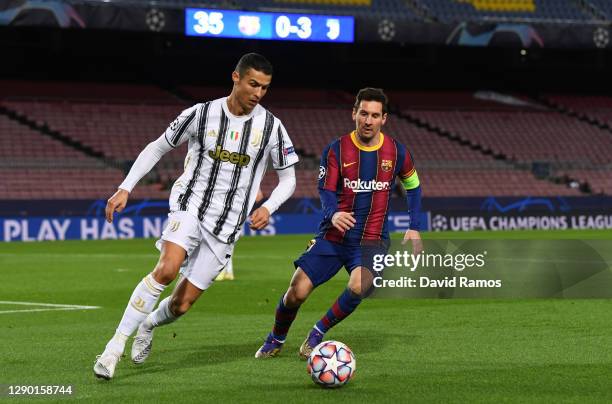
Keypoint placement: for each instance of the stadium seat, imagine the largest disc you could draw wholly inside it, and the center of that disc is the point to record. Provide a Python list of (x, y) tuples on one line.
[(121, 129), (474, 10)]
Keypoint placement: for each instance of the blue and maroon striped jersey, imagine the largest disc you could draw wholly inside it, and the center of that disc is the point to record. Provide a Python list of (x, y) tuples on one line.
[(362, 179)]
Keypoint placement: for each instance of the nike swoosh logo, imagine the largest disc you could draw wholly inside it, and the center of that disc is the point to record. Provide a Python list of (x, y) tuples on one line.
[(348, 164)]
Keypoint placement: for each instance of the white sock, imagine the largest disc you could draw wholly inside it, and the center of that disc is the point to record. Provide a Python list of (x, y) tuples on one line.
[(116, 344), (229, 267), (161, 316), (141, 303)]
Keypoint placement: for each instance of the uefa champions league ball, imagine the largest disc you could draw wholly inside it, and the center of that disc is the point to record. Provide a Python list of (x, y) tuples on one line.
[(331, 364)]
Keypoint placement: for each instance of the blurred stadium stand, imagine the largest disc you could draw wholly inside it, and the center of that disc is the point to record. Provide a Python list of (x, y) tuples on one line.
[(525, 136), (463, 144), (367, 8), (415, 10), (604, 6), (418, 10), (596, 107), (577, 151), (474, 10)]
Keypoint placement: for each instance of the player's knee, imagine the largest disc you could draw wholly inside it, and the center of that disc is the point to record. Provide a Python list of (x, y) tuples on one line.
[(178, 306), (166, 271), (295, 297), (299, 289), (355, 290), (355, 287)]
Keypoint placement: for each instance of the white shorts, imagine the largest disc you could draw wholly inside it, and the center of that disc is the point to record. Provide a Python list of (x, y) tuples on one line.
[(206, 255)]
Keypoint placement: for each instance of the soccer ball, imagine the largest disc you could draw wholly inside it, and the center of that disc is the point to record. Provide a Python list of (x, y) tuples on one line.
[(331, 364)]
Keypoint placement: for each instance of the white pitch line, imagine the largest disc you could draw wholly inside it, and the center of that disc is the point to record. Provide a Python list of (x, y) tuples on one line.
[(71, 255), (50, 307), (66, 306), (127, 256), (33, 310)]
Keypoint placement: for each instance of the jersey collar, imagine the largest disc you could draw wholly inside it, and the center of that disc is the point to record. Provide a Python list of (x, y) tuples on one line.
[(236, 117), (367, 148)]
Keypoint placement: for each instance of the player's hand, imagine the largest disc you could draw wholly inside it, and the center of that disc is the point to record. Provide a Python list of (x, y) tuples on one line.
[(116, 203), (415, 237), (343, 221), (260, 218)]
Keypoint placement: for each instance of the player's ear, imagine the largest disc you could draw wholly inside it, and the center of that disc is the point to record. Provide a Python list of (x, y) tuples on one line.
[(235, 77), (384, 118), (354, 114)]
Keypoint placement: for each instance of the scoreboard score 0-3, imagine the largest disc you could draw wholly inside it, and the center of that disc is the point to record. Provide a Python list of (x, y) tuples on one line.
[(270, 26)]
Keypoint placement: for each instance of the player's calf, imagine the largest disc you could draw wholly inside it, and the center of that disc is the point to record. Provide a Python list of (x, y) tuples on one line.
[(180, 303), (283, 318), (141, 303), (179, 307)]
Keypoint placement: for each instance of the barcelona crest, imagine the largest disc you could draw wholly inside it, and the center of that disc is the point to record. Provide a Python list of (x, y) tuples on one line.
[(386, 165)]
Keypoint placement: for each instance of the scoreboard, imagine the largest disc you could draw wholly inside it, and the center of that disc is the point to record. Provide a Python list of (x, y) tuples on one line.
[(270, 26)]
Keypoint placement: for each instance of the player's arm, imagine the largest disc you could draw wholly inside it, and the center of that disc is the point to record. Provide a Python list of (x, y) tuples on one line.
[(144, 163), (259, 197), (410, 181), (284, 158), (177, 133), (329, 175), (283, 191)]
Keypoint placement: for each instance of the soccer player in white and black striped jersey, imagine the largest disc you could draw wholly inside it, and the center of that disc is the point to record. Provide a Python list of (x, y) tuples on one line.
[(231, 140)]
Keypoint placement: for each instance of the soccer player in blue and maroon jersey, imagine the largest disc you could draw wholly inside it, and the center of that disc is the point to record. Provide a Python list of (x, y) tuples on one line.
[(356, 178)]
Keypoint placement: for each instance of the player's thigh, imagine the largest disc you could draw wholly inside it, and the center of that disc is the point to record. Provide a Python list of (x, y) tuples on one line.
[(183, 230), (300, 285), (320, 262), (358, 263), (179, 238), (172, 253), (170, 260)]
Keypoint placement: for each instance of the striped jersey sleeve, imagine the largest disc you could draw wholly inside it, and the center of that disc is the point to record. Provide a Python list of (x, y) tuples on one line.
[(282, 152), (182, 127), (329, 170), (407, 172)]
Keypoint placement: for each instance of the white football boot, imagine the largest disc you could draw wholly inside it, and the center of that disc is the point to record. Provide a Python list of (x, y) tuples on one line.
[(141, 347), (104, 368)]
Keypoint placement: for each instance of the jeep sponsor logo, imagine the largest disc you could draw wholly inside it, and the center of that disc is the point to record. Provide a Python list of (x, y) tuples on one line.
[(360, 185), (241, 160)]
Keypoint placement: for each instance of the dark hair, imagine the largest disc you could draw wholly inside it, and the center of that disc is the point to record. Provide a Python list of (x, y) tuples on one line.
[(254, 61), (371, 94)]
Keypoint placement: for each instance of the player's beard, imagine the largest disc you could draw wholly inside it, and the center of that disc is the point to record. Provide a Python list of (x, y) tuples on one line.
[(248, 106), (366, 139)]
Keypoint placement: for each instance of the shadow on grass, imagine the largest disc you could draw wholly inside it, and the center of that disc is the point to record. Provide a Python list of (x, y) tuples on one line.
[(213, 354)]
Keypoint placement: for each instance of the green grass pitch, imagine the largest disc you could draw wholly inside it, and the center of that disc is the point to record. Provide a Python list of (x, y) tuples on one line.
[(407, 350)]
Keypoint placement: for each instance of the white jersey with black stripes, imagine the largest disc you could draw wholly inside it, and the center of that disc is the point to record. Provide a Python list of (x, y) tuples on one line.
[(226, 160)]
